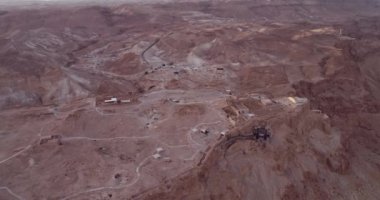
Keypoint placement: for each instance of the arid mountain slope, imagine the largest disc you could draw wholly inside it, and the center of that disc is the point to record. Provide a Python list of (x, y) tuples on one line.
[(193, 81)]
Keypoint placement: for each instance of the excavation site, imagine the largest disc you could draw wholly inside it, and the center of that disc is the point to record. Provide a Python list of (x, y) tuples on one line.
[(190, 100)]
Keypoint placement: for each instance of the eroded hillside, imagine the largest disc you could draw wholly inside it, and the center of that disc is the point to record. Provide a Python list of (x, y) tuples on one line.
[(161, 101)]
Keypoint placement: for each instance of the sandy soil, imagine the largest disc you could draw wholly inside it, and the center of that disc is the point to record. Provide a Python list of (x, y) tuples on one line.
[(307, 71)]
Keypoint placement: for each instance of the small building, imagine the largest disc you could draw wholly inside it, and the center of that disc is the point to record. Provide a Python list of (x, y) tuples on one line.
[(174, 100), (205, 131), (156, 156), (261, 133), (112, 100), (125, 101), (159, 150), (251, 115)]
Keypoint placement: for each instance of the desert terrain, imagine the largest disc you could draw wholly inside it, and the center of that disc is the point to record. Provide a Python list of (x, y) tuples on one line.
[(161, 100)]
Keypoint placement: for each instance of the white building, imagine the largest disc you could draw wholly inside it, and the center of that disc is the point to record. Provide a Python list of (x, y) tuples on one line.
[(112, 100)]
